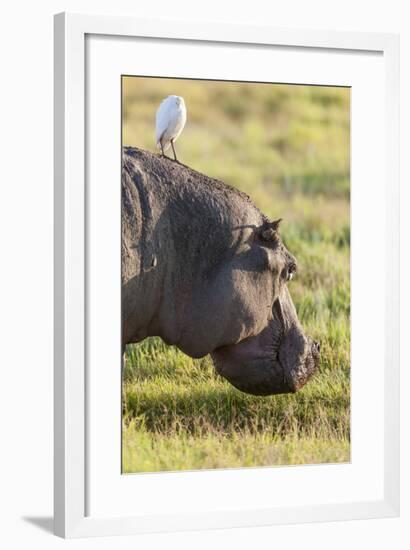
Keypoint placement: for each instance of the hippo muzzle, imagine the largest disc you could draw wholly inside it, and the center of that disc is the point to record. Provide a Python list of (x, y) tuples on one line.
[(280, 359)]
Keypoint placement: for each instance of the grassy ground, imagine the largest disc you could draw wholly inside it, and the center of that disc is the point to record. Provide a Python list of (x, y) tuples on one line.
[(288, 148)]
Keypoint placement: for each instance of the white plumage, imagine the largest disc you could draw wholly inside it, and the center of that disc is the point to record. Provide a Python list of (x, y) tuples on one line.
[(170, 121)]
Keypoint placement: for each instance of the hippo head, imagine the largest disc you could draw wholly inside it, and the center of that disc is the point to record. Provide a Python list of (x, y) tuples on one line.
[(280, 358), (256, 340)]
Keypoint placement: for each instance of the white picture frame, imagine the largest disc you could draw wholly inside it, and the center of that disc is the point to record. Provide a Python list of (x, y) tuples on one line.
[(72, 519)]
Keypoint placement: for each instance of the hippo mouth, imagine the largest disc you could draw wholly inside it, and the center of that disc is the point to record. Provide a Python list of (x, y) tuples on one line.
[(280, 359)]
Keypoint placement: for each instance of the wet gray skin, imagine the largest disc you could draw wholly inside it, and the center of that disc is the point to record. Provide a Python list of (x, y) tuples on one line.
[(206, 271)]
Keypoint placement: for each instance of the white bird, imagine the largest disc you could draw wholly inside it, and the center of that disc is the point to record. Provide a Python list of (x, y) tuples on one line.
[(170, 121)]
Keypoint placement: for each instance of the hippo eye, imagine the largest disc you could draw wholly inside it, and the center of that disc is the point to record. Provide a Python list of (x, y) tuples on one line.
[(290, 271)]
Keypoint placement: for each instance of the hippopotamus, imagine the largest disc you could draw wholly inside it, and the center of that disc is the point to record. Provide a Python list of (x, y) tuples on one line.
[(206, 271)]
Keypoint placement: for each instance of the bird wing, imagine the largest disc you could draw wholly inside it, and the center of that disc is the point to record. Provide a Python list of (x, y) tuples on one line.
[(177, 121), (164, 115)]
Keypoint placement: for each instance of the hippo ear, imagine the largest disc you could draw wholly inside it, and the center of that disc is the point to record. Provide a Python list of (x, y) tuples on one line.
[(275, 224), (268, 232)]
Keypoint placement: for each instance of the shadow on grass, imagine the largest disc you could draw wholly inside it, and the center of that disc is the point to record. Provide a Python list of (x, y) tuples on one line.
[(202, 410)]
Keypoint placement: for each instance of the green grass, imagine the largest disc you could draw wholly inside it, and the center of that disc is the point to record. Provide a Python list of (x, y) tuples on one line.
[(241, 450), (288, 148)]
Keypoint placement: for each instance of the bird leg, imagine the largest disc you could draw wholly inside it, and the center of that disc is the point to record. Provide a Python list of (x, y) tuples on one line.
[(162, 149), (173, 150)]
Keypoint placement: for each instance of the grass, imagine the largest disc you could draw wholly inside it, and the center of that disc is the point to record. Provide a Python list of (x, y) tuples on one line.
[(241, 450), (288, 148)]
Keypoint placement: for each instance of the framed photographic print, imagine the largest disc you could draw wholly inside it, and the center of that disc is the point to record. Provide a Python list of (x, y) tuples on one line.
[(226, 275)]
